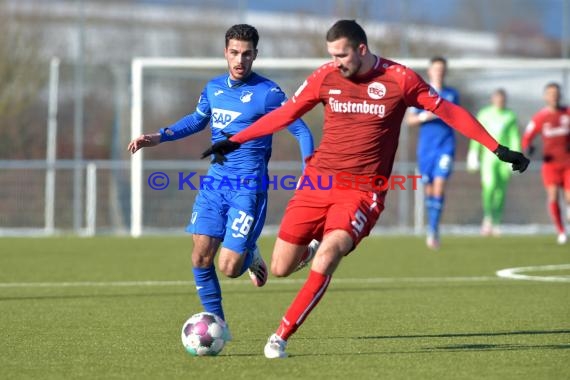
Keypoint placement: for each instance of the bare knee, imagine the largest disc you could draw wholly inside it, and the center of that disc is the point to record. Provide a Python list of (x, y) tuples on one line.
[(333, 248), (201, 259), (204, 251), (231, 262), (229, 270), (280, 271), (285, 258)]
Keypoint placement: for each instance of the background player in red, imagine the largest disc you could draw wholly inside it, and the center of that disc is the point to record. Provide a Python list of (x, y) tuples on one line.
[(365, 98), (553, 124)]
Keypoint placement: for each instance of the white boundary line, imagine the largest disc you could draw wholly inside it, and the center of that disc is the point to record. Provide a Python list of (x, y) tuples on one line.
[(514, 273), (373, 280), (502, 275)]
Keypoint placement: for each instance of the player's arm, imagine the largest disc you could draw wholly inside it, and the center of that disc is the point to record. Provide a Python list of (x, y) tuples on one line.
[(461, 120), (304, 137), (474, 151), (274, 99), (415, 117), (418, 94), (532, 129), (305, 98), (184, 127)]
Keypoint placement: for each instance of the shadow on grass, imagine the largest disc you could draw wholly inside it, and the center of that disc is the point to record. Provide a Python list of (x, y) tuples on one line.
[(466, 335), (497, 347), (450, 348)]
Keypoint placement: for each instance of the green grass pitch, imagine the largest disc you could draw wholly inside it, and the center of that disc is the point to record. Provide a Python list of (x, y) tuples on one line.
[(112, 308)]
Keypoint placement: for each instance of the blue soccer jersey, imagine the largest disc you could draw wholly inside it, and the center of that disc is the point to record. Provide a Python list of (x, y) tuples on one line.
[(436, 143), (230, 106), (232, 206)]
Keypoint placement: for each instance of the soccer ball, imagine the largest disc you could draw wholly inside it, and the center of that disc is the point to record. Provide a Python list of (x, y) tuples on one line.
[(204, 334)]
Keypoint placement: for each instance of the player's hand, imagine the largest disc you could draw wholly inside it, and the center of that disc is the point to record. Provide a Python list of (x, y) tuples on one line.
[(144, 141), (472, 162), (426, 116), (530, 150), (220, 149), (519, 161)]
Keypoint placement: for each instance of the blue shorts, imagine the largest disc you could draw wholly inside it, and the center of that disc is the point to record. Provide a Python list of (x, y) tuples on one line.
[(232, 216), (434, 165)]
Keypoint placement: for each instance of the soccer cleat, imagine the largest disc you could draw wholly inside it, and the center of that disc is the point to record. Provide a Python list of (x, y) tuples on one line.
[(496, 231), (432, 241), (486, 227), (311, 252), (561, 239), (275, 348), (257, 270)]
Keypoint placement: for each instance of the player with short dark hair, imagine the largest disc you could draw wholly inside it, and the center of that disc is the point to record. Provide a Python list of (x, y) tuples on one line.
[(435, 150), (553, 124), (365, 98), (231, 212)]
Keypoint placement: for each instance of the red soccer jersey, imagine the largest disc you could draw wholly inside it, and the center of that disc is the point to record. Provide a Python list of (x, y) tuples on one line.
[(363, 116), (554, 126)]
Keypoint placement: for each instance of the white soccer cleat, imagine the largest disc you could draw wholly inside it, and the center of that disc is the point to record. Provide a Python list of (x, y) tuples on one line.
[(257, 270), (561, 239), (496, 231), (311, 252), (432, 241), (275, 348), (486, 227)]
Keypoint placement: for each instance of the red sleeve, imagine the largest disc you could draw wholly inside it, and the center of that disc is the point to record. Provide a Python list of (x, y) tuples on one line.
[(532, 129), (304, 99), (461, 120), (417, 93)]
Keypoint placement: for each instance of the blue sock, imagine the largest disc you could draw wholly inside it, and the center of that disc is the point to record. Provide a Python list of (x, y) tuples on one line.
[(209, 290), (429, 210), (434, 213)]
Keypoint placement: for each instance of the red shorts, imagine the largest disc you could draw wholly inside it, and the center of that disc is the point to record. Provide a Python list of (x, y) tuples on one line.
[(312, 213), (556, 174)]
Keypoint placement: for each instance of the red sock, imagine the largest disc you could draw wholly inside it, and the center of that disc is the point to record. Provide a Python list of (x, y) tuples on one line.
[(555, 215), (307, 298)]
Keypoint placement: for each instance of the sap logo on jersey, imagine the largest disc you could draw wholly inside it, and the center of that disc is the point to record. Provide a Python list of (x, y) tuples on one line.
[(222, 118), (376, 90)]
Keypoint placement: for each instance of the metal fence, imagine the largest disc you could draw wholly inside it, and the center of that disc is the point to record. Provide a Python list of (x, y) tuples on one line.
[(25, 201)]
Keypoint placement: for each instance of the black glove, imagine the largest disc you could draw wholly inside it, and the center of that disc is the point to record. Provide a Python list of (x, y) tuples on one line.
[(220, 149), (530, 150), (519, 161)]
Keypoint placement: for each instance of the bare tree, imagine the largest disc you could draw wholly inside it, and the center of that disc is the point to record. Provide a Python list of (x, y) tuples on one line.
[(21, 78)]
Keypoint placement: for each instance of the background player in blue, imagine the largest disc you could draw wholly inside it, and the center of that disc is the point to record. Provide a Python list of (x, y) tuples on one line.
[(435, 149), (232, 210)]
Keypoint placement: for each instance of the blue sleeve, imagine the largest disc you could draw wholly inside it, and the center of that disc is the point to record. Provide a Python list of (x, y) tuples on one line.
[(189, 124), (304, 137), (274, 99), (456, 100)]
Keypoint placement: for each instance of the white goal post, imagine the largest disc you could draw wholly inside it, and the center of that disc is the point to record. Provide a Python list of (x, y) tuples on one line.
[(140, 66)]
